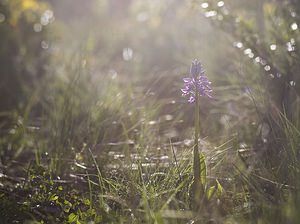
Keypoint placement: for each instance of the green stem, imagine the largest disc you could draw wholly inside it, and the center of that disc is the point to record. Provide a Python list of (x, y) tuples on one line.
[(196, 145), (196, 165)]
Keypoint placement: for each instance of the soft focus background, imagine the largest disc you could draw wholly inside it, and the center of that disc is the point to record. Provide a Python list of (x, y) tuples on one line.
[(93, 127)]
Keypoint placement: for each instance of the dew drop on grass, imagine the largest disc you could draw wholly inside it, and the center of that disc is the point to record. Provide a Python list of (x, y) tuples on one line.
[(267, 68), (220, 4), (290, 47), (110, 153), (293, 41), (44, 45), (152, 122), (44, 21), (265, 140), (273, 47), (168, 117), (238, 44), (263, 62), (37, 27), (135, 156), (130, 142), (119, 156), (243, 145), (251, 55), (204, 5), (247, 51), (188, 142), (164, 157), (292, 83), (211, 13), (294, 26), (127, 54), (134, 166), (47, 17)]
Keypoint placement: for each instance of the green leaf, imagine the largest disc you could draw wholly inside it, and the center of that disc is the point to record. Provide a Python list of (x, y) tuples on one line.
[(86, 202), (210, 192), (91, 212), (67, 203), (67, 209), (220, 189), (67, 206), (53, 197), (202, 169), (72, 218)]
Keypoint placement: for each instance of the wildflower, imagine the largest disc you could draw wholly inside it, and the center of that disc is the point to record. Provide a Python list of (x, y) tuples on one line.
[(197, 83)]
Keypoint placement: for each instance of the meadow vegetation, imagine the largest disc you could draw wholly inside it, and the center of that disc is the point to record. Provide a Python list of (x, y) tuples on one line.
[(94, 128)]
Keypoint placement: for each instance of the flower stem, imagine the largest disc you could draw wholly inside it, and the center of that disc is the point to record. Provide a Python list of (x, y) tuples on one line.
[(196, 144), (196, 165)]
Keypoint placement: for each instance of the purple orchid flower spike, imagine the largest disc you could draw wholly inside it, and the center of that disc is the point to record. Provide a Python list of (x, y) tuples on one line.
[(197, 83)]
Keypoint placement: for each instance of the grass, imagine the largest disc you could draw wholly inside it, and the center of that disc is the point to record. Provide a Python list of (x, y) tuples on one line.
[(81, 152), (93, 161), (100, 147), (106, 154)]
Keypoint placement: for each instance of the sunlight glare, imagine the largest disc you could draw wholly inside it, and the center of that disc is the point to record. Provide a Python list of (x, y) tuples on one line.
[(127, 54), (294, 26), (220, 4), (204, 5)]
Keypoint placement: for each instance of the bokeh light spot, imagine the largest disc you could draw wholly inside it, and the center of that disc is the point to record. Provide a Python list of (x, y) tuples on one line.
[(37, 27), (294, 26), (220, 4), (273, 47), (204, 5), (2, 18), (127, 54)]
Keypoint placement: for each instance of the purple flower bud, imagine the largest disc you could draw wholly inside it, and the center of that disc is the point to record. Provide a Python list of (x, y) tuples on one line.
[(198, 83), (195, 68)]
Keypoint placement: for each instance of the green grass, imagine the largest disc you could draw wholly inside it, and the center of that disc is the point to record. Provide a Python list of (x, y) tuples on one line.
[(89, 145), (104, 154)]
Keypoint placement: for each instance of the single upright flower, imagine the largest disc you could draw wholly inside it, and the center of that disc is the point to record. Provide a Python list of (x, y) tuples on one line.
[(195, 86), (197, 83)]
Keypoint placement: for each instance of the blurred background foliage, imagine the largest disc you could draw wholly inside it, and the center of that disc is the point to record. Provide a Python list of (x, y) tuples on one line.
[(76, 74)]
